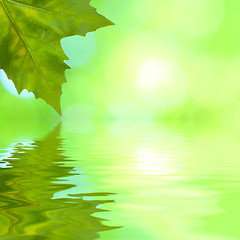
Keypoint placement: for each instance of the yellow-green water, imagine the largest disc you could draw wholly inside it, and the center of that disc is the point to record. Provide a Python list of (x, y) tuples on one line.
[(149, 182)]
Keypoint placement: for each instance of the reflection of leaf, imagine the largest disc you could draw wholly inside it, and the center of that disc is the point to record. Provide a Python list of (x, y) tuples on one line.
[(27, 208), (30, 50)]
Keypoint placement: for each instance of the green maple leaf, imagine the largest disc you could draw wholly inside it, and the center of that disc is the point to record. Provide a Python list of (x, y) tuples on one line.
[(30, 34)]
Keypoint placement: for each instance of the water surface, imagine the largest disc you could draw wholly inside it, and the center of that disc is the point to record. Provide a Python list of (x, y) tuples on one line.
[(122, 181)]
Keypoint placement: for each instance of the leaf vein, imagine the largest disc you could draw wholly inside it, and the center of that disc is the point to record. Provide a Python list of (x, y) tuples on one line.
[(27, 47), (43, 9)]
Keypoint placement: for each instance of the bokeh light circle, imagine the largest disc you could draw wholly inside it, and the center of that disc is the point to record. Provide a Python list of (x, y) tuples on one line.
[(215, 82), (130, 110), (161, 83), (78, 118), (79, 49), (198, 18)]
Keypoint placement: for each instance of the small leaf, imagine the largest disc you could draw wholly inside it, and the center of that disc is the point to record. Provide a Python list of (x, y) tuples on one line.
[(30, 49)]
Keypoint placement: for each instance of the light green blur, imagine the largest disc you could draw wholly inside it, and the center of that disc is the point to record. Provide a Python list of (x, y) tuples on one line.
[(163, 59), (157, 182), (151, 113)]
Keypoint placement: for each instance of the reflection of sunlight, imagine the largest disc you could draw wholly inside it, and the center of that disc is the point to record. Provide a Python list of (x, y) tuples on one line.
[(153, 71), (151, 162), (9, 86)]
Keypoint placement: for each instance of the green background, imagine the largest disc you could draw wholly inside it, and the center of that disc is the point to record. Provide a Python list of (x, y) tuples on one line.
[(172, 59), (155, 104)]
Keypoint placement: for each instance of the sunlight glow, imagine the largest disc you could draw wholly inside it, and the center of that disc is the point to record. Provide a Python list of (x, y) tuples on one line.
[(153, 71), (161, 83), (151, 162)]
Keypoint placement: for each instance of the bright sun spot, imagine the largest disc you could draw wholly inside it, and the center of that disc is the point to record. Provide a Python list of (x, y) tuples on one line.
[(152, 72)]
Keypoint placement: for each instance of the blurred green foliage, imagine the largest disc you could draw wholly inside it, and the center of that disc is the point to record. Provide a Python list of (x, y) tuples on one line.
[(171, 60)]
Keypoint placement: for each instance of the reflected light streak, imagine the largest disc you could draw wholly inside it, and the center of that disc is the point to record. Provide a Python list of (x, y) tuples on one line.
[(153, 163)]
